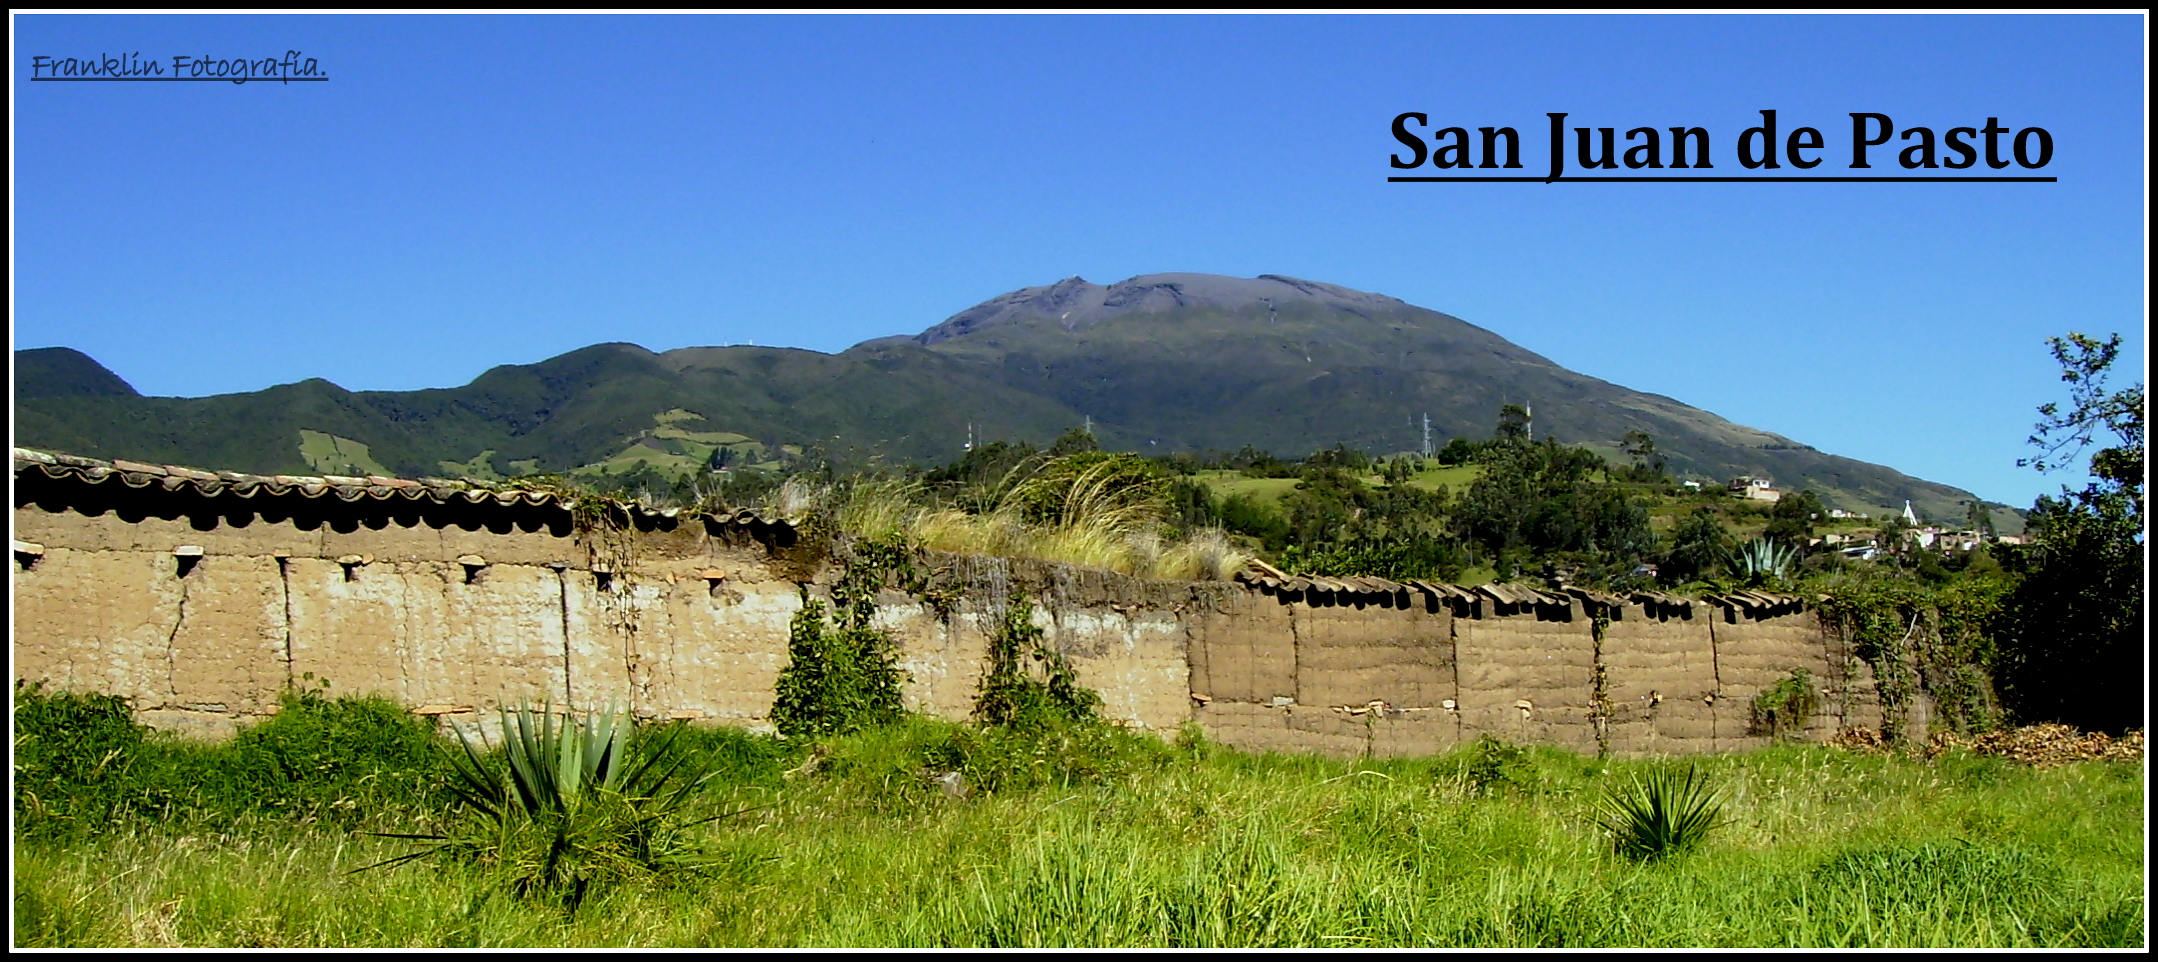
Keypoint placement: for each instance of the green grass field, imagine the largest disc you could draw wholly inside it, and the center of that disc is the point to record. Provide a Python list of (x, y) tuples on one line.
[(331, 454), (1226, 483), (1148, 844)]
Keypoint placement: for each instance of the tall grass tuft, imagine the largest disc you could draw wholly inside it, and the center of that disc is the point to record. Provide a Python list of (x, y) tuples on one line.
[(1661, 814), (879, 509), (1088, 510), (797, 497), (1204, 555)]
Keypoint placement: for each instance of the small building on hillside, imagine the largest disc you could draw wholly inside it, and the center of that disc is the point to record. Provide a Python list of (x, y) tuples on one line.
[(1942, 539), (1755, 489)]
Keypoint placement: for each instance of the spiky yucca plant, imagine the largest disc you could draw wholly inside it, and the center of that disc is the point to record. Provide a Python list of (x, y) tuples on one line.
[(1661, 815), (569, 805), (1762, 560)]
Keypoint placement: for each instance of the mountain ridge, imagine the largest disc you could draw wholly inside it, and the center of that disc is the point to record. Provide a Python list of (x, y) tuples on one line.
[(1158, 363)]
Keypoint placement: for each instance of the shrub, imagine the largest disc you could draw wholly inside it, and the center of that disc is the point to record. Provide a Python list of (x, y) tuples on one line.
[(73, 756), (1010, 694), (1493, 767), (842, 677), (322, 759), (838, 679), (83, 765), (1781, 710)]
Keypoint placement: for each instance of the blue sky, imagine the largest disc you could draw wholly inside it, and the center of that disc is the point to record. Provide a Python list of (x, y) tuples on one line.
[(473, 191)]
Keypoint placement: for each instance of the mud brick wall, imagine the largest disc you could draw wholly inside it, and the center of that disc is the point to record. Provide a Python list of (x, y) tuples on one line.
[(202, 620), (1301, 671), (1755, 654), (1243, 650), (943, 657), (1660, 679), (1529, 675), (1353, 650), (201, 624)]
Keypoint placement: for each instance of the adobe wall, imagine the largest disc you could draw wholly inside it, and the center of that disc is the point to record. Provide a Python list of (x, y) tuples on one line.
[(1300, 671), (205, 639), (690, 620), (1660, 689)]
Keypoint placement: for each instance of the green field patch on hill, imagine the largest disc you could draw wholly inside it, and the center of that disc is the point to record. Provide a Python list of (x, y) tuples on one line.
[(669, 426), (714, 438), (667, 459), (480, 466), (1456, 478), (330, 454), (1271, 490), (678, 452), (1230, 483)]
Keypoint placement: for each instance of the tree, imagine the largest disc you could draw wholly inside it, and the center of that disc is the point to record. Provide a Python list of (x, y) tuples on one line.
[(1458, 451), (1894, 536), (1641, 447), (1513, 423), (1339, 456), (1698, 547), (1074, 441), (1541, 497), (1791, 520), (2061, 438), (2071, 632)]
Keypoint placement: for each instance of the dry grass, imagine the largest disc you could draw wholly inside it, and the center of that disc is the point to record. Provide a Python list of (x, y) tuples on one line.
[(1097, 524)]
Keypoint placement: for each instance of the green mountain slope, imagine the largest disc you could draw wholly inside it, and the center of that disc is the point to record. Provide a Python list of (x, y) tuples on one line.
[(1199, 361), (1158, 363)]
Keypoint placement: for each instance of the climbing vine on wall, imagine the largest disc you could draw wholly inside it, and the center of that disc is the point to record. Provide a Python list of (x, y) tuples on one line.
[(841, 674), (1011, 695), (1919, 637), (1782, 709), (1960, 664), (1600, 695)]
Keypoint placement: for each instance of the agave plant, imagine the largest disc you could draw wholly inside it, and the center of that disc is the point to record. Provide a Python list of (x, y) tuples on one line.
[(1762, 559), (572, 803), (1661, 815)]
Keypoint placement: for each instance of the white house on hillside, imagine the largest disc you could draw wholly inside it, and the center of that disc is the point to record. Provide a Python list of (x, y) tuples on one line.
[(1755, 489)]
